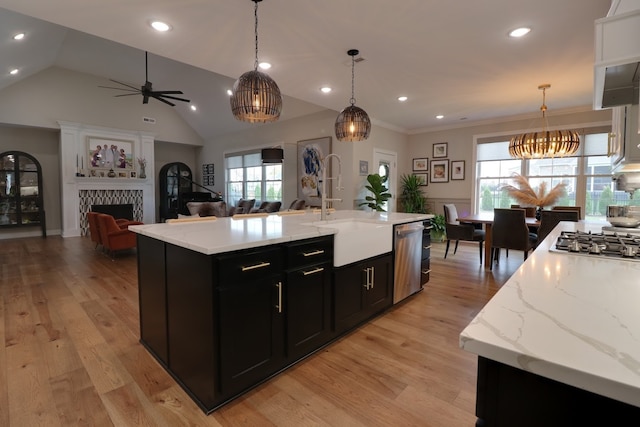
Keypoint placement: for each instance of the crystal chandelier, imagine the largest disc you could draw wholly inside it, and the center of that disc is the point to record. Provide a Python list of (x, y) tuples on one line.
[(255, 97), (547, 143), (352, 124)]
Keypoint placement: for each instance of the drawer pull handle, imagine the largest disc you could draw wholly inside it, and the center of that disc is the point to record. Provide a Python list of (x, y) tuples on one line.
[(426, 271), (429, 227), (426, 247), (253, 267), (279, 306), (314, 271), (318, 252)]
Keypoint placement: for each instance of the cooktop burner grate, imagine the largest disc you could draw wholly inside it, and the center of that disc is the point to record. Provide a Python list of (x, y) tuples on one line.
[(614, 245)]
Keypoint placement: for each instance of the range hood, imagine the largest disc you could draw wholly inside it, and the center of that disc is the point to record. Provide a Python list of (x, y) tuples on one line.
[(617, 55)]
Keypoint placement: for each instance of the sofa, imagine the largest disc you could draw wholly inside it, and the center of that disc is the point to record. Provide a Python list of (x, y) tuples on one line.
[(220, 209)]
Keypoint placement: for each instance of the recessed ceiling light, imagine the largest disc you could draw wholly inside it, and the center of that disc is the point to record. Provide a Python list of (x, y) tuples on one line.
[(160, 26), (325, 89), (264, 65), (14, 71), (229, 92), (402, 98), (18, 36), (439, 117), (519, 32), (193, 108)]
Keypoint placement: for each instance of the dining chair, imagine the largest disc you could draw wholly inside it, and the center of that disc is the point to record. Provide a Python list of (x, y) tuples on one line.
[(457, 231), (529, 211), (569, 208), (549, 219), (510, 232)]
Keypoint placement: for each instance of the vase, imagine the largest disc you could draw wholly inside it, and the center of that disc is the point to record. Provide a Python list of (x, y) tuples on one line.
[(538, 213), (143, 174), (111, 173)]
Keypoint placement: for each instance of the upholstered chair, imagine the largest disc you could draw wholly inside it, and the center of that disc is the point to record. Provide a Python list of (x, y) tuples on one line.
[(569, 208), (113, 237), (94, 226), (457, 231), (297, 205), (510, 231), (267, 207), (549, 219)]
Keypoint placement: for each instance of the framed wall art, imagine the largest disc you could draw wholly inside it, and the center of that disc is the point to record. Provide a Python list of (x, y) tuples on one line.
[(421, 164), (457, 170), (423, 177), (109, 154), (439, 170), (311, 153), (364, 168), (440, 150)]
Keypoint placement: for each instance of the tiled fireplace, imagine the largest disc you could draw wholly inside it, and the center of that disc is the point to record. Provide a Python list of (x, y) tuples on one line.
[(80, 193)]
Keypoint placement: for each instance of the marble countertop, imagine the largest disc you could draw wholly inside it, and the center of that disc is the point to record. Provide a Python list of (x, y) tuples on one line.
[(229, 234), (572, 318)]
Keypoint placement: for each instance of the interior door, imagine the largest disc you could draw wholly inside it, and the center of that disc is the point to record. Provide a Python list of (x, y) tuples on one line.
[(386, 165)]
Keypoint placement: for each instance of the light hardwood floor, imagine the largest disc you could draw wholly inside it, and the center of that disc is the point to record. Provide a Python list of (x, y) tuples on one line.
[(71, 357)]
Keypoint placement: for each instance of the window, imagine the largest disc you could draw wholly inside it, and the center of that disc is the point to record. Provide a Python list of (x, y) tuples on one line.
[(248, 178), (587, 176)]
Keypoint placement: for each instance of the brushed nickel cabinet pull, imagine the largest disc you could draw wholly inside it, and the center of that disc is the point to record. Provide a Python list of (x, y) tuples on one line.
[(314, 271), (279, 306), (318, 252), (366, 285), (253, 267), (426, 271), (426, 247), (373, 276)]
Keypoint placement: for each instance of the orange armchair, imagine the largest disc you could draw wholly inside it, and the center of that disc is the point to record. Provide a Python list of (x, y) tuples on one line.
[(114, 238), (94, 226)]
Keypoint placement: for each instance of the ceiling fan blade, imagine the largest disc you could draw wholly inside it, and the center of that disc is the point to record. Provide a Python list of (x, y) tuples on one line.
[(126, 94), (124, 84), (174, 97), (165, 101), (162, 92), (120, 88)]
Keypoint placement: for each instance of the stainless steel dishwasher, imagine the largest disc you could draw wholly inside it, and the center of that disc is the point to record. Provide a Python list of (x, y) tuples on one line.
[(407, 248)]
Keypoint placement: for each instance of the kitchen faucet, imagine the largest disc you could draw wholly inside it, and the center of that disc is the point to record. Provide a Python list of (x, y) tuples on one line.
[(323, 180)]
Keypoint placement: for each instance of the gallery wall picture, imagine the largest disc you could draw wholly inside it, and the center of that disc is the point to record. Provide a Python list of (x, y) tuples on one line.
[(364, 168), (440, 150), (457, 170), (421, 164), (439, 170), (311, 153), (423, 177)]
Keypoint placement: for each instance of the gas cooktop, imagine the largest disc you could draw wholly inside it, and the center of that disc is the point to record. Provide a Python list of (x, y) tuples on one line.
[(604, 244)]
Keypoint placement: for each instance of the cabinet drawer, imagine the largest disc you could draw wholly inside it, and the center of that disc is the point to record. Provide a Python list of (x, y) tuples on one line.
[(311, 251), (239, 267)]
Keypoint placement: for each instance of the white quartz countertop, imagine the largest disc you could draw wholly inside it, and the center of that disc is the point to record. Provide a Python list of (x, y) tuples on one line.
[(228, 234), (572, 318)]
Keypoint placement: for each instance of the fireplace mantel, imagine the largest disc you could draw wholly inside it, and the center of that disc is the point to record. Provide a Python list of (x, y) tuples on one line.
[(73, 143)]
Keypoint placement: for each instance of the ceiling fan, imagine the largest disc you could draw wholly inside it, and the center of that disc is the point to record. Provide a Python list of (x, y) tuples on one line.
[(147, 91)]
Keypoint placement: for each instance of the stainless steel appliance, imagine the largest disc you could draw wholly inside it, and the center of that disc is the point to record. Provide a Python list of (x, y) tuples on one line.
[(611, 244), (407, 241)]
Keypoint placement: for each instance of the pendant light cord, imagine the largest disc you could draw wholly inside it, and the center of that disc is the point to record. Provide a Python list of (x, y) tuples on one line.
[(255, 13), (353, 79)]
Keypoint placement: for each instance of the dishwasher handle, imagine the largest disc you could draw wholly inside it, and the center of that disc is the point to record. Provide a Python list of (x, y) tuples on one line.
[(405, 230)]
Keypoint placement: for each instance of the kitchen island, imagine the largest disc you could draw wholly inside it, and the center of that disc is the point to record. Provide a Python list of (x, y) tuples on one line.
[(559, 344), (227, 303)]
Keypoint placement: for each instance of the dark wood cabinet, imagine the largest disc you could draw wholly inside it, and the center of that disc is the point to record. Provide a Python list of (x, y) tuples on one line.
[(250, 305), (21, 192), (362, 290), (308, 296)]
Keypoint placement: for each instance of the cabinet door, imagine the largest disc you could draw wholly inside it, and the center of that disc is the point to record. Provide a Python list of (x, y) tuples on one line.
[(308, 302), (251, 333), (379, 294), (349, 296)]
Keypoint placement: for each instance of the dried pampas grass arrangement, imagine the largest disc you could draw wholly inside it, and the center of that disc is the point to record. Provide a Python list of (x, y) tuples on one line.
[(527, 196)]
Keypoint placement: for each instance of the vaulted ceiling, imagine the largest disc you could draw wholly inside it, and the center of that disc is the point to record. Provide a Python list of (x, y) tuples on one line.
[(448, 57)]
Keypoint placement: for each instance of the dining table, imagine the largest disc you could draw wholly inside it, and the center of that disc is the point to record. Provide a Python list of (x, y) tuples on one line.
[(486, 219)]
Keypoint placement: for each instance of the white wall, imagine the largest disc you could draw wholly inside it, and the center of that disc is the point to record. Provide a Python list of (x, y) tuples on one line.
[(57, 94)]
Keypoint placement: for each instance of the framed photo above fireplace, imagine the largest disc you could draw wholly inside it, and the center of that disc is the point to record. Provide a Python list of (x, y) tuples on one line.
[(105, 154)]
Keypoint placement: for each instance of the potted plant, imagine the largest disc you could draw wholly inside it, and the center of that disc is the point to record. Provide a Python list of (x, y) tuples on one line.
[(380, 192), (527, 196), (438, 230), (413, 201)]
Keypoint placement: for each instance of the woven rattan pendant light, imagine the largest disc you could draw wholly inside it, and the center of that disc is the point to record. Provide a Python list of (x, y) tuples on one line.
[(548, 143), (255, 97), (352, 124)]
